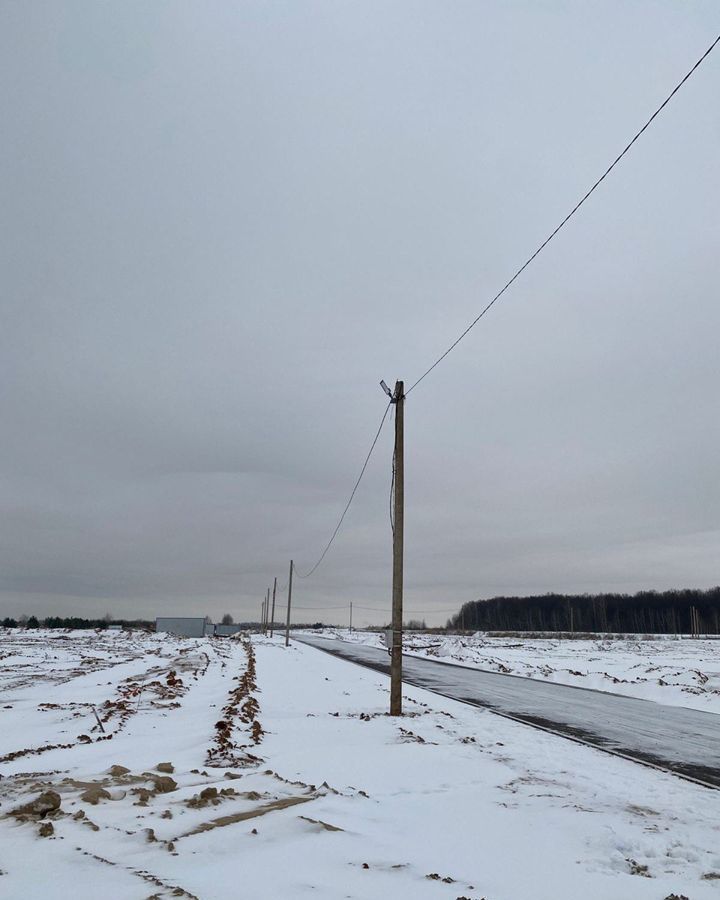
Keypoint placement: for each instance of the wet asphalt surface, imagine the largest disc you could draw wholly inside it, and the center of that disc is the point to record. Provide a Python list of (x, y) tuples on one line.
[(683, 741)]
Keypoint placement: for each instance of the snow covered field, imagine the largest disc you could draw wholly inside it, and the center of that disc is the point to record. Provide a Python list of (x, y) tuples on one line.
[(676, 672), (282, 777)]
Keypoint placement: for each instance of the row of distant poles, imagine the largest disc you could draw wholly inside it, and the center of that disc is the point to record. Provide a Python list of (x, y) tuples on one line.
[(267, 617), (267, 613)]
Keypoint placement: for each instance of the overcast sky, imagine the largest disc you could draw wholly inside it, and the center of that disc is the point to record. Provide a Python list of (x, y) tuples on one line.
[(222, 223)]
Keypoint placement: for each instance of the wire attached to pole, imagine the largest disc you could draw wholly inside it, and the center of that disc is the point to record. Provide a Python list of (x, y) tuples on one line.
[(569, 215), (350, 500)]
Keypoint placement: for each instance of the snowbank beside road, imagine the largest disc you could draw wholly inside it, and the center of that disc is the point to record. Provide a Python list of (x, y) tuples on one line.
[(674, 672)]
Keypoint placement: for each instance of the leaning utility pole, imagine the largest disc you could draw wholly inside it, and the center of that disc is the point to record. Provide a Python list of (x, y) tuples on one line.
[(272, 616), (398, 398), (287, 626)]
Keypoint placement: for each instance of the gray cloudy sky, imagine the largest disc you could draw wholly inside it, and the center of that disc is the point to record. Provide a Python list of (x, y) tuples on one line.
[(223, 222)]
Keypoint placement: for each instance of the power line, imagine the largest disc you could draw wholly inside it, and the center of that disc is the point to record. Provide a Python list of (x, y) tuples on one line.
[(497, 296), (365, 608), (385, 609), (570, 214), (350, 500), (344, 606)]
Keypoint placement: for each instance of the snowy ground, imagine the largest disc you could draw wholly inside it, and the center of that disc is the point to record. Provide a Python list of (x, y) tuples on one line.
[(675, 672), (313, 790)]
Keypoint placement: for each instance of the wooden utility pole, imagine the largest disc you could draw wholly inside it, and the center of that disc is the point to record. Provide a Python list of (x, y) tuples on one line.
[(287, 624), (351, 615), (272, 616), (262, 614), (398, 399)]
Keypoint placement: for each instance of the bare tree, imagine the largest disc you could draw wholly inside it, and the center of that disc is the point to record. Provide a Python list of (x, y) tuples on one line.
[(227, 619)]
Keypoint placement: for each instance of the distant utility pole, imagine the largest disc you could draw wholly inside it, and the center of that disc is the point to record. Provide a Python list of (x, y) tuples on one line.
[(262, 614), (398, 398), (287, 625), (272, 616), (351, 615), (267, 608)]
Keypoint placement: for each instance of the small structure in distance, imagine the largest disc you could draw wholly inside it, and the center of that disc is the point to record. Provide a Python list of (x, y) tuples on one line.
[(227, 630), (182, 626), (194, 626)]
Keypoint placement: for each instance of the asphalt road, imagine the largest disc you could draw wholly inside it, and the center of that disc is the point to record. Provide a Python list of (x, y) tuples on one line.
[(684, 741)]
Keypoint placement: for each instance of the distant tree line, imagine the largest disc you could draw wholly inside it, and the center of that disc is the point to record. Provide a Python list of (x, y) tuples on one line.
[(72, 622), (684, 611), (77, 622)]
